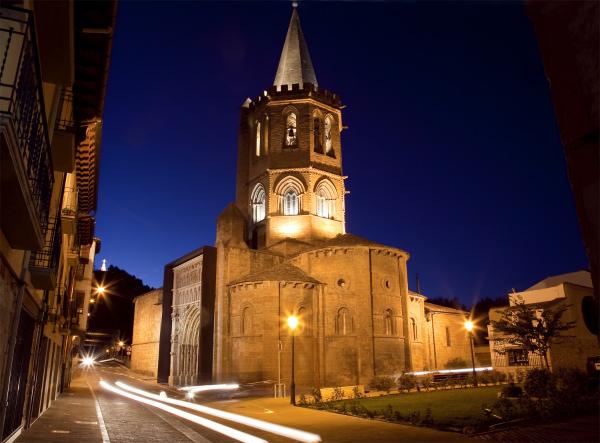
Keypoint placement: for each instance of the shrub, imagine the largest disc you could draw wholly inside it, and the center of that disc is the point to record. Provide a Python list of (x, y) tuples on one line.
[(484, 377), (316, 393), (382, 383), (571, 382), (456, 363), (356, 392), (406, 381), (520, 375), (426, 382), (303, 401), (539, 383), (338, 393), (512, 391), (414, 417), (499, 376)]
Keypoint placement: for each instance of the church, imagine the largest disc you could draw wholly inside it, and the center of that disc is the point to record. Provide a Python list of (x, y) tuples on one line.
[(282, 249)]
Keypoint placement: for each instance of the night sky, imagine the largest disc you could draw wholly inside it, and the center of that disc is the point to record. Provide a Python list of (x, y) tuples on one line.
[(452, 151)]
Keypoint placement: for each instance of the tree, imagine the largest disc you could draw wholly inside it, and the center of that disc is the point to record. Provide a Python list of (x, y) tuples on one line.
[(531, 327)]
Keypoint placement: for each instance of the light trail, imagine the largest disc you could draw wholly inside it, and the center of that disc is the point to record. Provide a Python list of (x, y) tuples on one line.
[(452, 371), (202, 388), (214, 426), (294, 434)]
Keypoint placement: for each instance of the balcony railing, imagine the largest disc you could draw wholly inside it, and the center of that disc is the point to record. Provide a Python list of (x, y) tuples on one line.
[(43, 263), (22, 104), (65, 120), (69, 211)]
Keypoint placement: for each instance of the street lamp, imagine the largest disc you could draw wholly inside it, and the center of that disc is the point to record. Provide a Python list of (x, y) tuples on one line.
[(469, 327), (292, 322), (100, 290)]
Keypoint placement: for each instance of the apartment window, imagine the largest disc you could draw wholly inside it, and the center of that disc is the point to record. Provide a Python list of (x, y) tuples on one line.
[(518, 357)]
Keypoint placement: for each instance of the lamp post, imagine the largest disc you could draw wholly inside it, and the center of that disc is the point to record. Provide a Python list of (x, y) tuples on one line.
[(293, 324), (469, 327)]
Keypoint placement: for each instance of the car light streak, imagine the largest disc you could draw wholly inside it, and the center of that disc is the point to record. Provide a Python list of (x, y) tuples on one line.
[(202, 388), (452, 371), (294, 434), (217, 427)]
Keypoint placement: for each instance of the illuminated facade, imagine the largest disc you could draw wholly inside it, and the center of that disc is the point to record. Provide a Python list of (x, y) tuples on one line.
[(53, 73), (282, 248)]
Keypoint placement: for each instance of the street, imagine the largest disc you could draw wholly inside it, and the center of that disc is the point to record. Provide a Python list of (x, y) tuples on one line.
[(89, 413)]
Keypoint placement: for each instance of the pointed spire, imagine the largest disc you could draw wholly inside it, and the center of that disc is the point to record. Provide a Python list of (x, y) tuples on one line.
[(295, 65)]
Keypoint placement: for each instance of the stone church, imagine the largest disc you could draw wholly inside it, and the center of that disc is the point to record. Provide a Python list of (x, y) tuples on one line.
[(282, 248)]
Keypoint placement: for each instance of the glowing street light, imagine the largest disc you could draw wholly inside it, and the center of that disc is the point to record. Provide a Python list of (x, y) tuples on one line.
[(292, 322), (100, 290), (121, 344), (469, 327)]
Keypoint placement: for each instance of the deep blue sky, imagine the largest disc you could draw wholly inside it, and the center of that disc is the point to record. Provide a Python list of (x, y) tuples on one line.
[(452, 151)]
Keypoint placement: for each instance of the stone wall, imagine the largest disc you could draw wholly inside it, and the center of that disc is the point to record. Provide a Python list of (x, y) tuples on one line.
[(146, 333)]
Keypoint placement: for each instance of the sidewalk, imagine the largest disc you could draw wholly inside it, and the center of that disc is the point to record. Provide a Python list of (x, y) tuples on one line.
[(71, 418)]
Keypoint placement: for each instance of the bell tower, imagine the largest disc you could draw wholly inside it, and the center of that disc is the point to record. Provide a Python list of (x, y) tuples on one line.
[(289, 172)]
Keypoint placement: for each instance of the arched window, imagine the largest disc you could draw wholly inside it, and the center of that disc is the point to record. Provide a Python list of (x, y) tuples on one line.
[(343, 322), (258, 202), (318, 144), (327, 136), (290, 130), (388, 322), (290, 203), (413, 325), (258, 139), (266, 136), (290, 190), (246, 321), (326, 196)]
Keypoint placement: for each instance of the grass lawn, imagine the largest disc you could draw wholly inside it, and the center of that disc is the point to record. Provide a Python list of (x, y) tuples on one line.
[(449, 408)]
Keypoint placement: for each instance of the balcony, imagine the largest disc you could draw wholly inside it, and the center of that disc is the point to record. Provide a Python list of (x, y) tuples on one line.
[(73, 255), (25, 158), (65, 131), (68, 213), (43, 264)]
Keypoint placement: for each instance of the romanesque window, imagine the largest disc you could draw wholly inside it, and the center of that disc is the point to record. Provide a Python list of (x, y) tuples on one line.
[(290, 203), (258, 202), (290, 130), (448, 338), (413, 325), (258, 139), (326, 196), (246, 321), (343, 322), (327, 136), (289, 191), (388, 322), (266, 135), (318, 145)]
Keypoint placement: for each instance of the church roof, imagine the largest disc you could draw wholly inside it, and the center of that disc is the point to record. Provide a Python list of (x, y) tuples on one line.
[(581, 278), (280, 272), (440, 308), (355, 240), (295, 65)]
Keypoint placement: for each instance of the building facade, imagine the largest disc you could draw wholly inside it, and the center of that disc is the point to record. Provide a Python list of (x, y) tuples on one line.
[(186, 323), (146, 332), (53, 75), (573, 291), (283, 249)]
